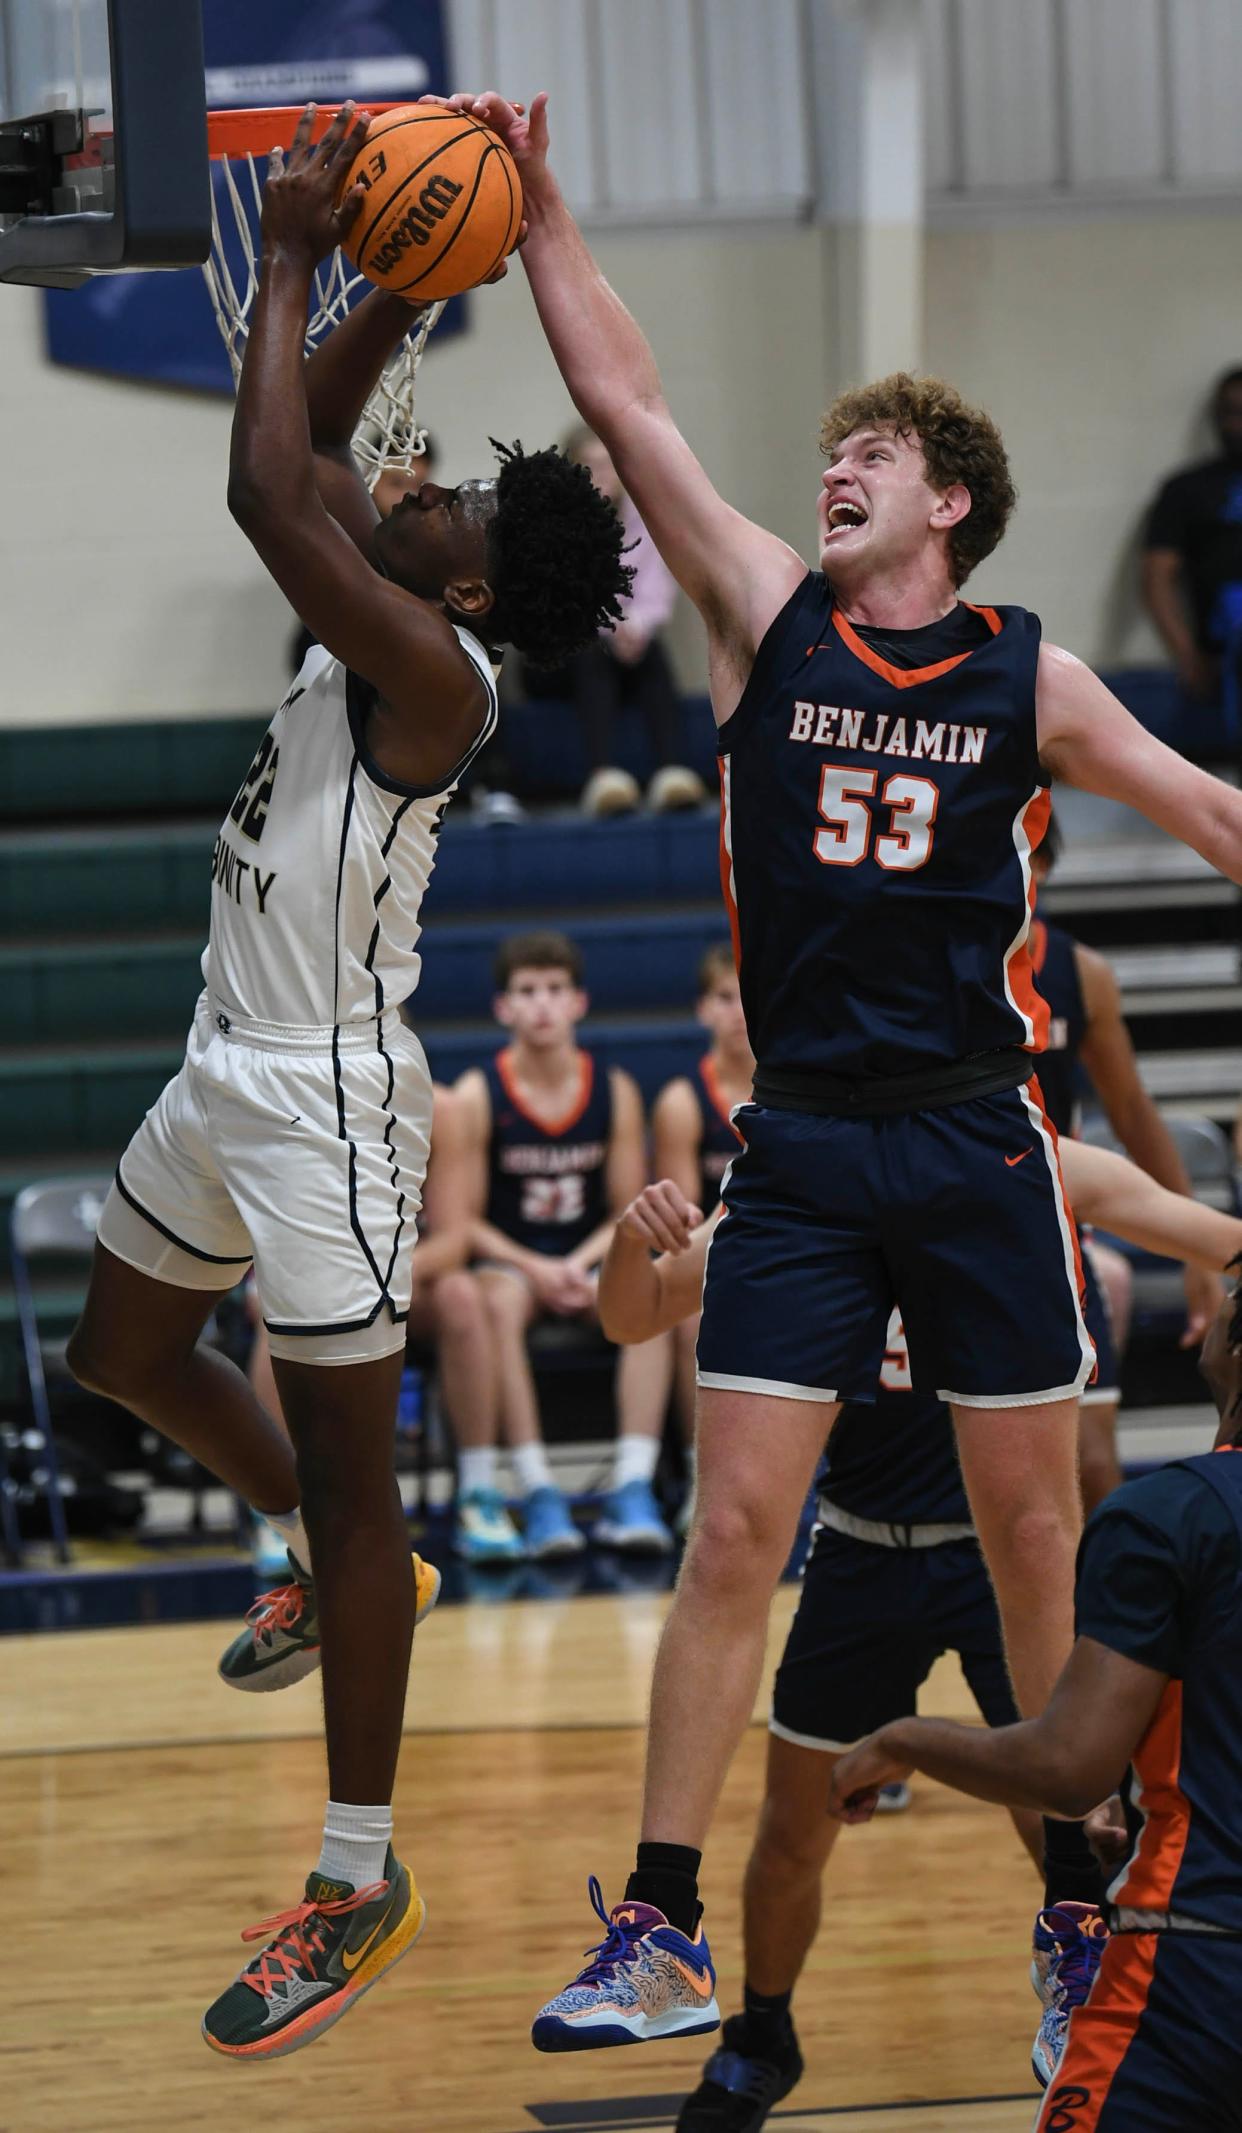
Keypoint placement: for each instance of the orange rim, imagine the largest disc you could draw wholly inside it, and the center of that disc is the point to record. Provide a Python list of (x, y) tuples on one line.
[(257, 132)]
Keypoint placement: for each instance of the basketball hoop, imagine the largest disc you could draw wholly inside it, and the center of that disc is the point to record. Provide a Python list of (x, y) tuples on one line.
[(237, 142)]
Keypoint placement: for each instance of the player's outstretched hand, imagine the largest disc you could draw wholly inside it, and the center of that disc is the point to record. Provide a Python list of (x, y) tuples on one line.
[(1203, 1294), (524, 133), (857, 1780), (303, 217), (661, 1217), (1106, 1833)]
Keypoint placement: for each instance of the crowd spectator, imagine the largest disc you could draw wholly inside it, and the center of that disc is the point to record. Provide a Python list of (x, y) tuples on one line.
[(627, 668), (1192, 560)]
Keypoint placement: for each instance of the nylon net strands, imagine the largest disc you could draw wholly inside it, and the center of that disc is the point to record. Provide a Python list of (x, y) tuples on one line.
[(238, 142)]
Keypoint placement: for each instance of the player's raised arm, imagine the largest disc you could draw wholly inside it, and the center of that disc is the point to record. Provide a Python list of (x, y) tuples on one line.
[(1090, 740), (738, 576), (403, 645), (339, 378)]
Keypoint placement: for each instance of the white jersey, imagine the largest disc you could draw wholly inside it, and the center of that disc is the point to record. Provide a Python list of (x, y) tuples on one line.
[(321, 865)]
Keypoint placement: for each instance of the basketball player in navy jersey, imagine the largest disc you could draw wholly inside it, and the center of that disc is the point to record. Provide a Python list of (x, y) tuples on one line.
[(1154, 1681), (296, 1133), (692, 1136), (555, 1149), (1087, 1033), (894, 1578), (885, 754)]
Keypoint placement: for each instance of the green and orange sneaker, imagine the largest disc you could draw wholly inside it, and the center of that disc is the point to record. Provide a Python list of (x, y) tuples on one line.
[(325, 1953), (280, 1643)]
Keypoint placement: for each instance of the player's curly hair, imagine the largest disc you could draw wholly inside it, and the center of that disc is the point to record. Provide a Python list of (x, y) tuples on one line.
[(960, 444), (554, 553)]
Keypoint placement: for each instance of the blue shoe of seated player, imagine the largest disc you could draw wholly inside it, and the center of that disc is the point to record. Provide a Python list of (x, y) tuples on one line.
[(645, 1981), (630, 1520), (547, 1528), (1067, 1947), (483, 1531)]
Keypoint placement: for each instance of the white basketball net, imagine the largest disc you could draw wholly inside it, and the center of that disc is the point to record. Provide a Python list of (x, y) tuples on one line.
[(387, 435)]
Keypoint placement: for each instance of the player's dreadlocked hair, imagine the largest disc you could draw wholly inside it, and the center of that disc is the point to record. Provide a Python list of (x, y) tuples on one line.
[(553, 556)]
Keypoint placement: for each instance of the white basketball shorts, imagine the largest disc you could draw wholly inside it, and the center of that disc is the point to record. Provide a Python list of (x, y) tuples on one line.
[(303, 1150)]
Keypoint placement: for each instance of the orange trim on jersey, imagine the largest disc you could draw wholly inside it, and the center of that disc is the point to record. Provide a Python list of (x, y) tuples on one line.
[(726, 865), (568, 1119), (989, 615), (1157, 1862), (906, 677), (710, 1075), (1018, 970), (1101, 2032)]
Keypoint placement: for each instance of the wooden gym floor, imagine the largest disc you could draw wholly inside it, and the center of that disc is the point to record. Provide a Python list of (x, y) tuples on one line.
[(147, 1814)]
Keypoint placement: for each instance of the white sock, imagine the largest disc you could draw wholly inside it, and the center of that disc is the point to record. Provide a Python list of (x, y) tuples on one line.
[(530, 1464), (635, 1460), (355, 1843), (476, 1468), (293, 1533)]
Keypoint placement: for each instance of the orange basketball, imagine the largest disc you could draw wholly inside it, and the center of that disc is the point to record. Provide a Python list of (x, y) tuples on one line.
[(443, 203)]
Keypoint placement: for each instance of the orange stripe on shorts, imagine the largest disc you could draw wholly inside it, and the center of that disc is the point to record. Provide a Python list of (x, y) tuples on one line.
[(1100, 2035)]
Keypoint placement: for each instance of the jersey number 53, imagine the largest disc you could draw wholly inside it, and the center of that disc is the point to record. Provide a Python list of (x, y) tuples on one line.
[(847, 836)]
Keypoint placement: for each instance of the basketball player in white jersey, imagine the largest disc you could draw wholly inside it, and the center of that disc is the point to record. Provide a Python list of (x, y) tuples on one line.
[(296, 1133)]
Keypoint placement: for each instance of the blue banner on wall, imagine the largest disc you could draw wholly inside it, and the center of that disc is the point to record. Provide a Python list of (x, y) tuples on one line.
[(161, 326)]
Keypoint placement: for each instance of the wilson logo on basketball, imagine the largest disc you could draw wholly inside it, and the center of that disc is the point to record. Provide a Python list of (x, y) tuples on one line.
[(415, 226)]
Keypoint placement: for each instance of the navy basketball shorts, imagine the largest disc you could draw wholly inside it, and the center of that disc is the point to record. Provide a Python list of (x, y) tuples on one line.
[(871, 1623), (1105, 1386), (958, 1216), (1157, 2047)]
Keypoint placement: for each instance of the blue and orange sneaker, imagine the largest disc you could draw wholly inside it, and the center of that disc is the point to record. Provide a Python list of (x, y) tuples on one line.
[(1067, 1945), (645, 1981), (320, 1959)]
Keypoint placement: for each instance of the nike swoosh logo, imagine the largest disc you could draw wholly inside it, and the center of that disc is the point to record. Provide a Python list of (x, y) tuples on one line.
[(350, 1962), (696, 1980), (1010, 1160)]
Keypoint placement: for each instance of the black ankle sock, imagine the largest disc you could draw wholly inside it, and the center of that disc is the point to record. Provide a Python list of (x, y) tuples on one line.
[(769, 2022), (666, 1875), (1072, 1873)]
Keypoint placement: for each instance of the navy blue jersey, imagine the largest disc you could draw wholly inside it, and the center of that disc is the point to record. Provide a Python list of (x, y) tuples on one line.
[(895, 1463), (1055, 965), (1160, 1581), (546, 1184), (718, 1142), (877, 828)]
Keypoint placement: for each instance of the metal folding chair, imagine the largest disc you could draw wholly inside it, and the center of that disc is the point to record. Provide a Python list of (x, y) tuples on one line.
[(53, 1220)]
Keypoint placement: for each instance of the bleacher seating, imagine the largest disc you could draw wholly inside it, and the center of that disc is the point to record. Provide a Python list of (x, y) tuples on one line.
[(105, 842)]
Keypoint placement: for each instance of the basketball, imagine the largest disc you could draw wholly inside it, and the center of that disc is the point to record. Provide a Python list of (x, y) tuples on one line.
[(443, 203)]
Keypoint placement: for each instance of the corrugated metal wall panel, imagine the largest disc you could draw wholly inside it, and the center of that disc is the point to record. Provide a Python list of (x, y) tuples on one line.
[(1114, 72), (1006, 54)]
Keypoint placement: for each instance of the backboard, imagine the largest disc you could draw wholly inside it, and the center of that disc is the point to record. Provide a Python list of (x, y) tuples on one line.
[(103, 155)]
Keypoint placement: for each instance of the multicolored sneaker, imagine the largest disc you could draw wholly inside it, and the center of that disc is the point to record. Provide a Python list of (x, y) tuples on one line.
[(645, 1981), (738, 2089), (326, 1952), (483, 1531), (547, 1527), (631, 1520), (1067, 1945), (893, 1799), (280, 1645)]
